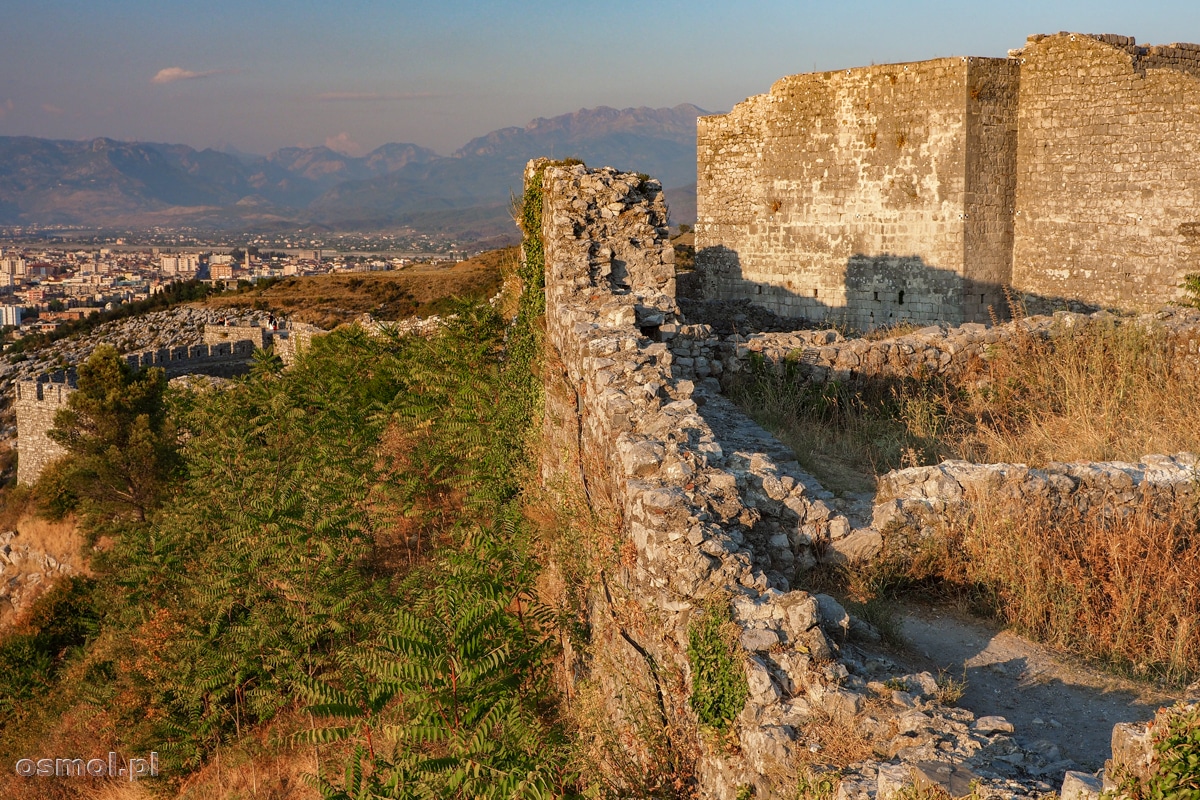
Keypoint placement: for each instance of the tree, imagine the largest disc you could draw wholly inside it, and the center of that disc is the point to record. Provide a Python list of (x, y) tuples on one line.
[(121, 444)]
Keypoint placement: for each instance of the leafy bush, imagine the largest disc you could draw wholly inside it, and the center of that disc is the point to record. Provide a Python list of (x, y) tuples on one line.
[(31, 656), (719, 688), (1174, 772), (1191, 288)]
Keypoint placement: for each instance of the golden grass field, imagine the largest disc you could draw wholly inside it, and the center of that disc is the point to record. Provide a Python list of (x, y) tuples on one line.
[(419, 290)]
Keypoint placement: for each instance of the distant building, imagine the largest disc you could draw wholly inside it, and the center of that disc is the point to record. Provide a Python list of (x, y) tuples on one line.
[(12, 266), (184, 264), (10, 315), (221, 272)]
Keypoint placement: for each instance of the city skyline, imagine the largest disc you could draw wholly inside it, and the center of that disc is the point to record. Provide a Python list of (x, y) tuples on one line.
[(260, 76)]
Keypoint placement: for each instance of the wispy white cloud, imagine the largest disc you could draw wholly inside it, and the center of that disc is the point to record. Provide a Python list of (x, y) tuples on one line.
[(371, 97), (50, 108), (6, 107), (172, 74)]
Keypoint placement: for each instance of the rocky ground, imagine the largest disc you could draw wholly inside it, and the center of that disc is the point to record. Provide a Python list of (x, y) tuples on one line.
[(32, 558), (1058, 705)]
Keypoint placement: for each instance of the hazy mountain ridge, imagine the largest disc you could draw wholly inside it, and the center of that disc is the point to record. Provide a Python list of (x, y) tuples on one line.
[(104, 182)]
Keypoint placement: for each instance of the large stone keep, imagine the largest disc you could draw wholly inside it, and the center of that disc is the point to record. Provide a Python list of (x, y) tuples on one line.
[(920, 191)]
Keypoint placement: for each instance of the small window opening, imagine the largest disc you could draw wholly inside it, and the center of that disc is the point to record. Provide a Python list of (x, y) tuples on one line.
[(877, 297), (814, 292), (901, 299)]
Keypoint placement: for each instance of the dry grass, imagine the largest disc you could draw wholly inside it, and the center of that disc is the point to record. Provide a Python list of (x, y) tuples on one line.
[(1121, 588), (1117, 587), (1093, 393), (258, 768), (421, 290), (1098, 392), (840, 743), (60, 539), (841, 436)]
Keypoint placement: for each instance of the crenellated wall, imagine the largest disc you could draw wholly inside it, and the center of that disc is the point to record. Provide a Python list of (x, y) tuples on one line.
[(36, 401), (36, 404)]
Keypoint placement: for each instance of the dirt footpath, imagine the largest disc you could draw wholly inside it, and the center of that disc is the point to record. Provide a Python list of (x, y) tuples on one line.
[(1052, 701)]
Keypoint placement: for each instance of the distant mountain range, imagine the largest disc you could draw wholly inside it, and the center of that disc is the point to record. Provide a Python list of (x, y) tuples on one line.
[(107, 184)]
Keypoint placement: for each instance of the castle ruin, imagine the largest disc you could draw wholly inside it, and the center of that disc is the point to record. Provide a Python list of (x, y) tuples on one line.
[(919, 192), (227, 351)]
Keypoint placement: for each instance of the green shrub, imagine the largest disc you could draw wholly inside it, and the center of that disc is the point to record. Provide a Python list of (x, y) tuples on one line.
[(1191, 287), (57, 623), (1175, 771), (719, 688)]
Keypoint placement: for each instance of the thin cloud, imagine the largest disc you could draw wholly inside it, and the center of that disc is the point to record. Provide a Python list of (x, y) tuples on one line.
[(172, 74), (6, 107), (50, 108), (371, 97)]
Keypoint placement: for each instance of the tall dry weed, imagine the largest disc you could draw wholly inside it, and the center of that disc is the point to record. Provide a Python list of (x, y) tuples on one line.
[(1118, 586), (1094, 392)]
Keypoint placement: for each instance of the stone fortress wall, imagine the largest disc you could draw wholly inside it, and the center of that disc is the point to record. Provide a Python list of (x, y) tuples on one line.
[(710, 505), (919, 191), (36, 401), (35, 405), (226, 352)]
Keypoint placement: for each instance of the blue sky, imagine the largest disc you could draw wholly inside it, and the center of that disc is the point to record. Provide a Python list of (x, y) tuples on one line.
[(262, 75)]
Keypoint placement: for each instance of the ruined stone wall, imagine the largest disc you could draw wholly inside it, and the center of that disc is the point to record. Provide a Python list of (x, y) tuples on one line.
[(917, 501), (229, 334), (936, 351), (708, 504), (620, 424), (864, 196), (1108, 177)]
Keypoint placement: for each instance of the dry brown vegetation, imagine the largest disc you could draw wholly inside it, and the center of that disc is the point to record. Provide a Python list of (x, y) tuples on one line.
[(1098, 392), (59, 539), (1117, 587), (420, 290)]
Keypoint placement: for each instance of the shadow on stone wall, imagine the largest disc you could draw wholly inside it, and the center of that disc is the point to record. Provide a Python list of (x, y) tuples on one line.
[(880, 290)]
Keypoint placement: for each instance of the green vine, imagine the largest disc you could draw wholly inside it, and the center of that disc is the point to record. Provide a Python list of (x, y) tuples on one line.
[(719, 688)]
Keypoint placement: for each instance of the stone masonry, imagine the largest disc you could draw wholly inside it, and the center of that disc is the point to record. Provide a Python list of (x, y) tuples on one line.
[(36, 404), (710, 505), (920, 191), (36, 401)]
